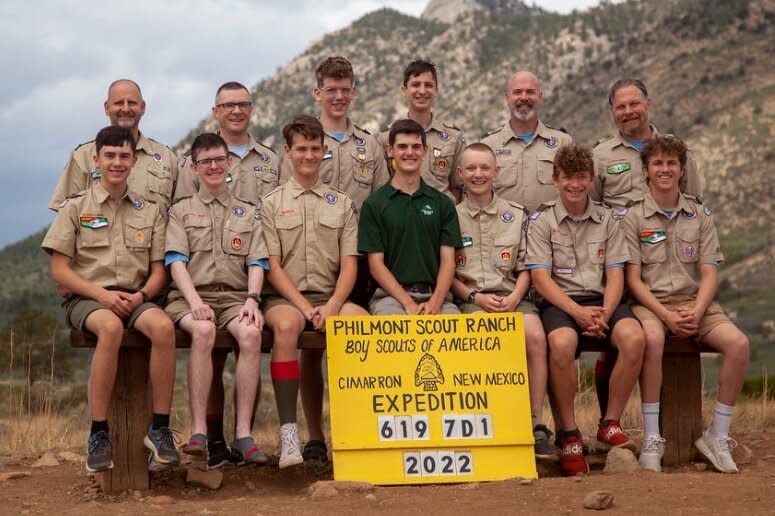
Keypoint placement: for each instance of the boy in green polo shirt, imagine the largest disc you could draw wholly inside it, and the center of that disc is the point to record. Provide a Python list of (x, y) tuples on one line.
[(409, 231)]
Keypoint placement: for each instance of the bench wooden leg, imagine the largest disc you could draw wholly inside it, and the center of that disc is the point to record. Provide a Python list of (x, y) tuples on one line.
[(128, 418), (681, 406)]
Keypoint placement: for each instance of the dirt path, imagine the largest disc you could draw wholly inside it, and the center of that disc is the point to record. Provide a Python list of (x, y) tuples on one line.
[(64, 490)]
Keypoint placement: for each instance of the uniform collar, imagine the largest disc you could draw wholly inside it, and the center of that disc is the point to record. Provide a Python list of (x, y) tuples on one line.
[(208, 198), (508, 133), (144, 144), (296, 189), (620, 140), (650, 206), (348, 131), (102, 195), (594, 212), (473, 209)]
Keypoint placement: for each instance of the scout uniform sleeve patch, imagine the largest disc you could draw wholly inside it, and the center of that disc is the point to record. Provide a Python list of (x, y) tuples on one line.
[(507, 216), (618, 168), (443, 136)]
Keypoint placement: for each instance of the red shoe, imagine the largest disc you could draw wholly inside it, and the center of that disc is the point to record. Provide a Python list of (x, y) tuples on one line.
[(613, 435), (573, 462)]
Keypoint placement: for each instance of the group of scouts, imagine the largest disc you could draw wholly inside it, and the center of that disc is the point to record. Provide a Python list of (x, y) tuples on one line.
[(610, 244)]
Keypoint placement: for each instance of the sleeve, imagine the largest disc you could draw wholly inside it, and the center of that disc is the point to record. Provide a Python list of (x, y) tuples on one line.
[(348, 242), (176, 236), (616, 252), (710, 249), (369, 230), (381, 175), (159, 233), (596, 190), (62, 233), (187, 183), (450, 225), (257, 249), (171, 257), (629, 226), (73, 179), (269, 229), (539, 246), (522, 247), (691, 183), (174, 170)]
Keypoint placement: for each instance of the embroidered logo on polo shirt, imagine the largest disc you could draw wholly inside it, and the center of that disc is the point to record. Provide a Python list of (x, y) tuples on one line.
[(426, 210)]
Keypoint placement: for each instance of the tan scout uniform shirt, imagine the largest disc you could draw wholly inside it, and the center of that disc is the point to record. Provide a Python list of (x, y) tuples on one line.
[(526, 168), (220, 236), (670, 250), (356, 165), (494, 245), (619, 175), (111, 242), (250, 177), (578, 252), (310, 230), (439, 166), (153, 176)]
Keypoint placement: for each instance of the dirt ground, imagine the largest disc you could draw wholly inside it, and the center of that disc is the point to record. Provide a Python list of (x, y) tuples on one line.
[(263, 490)]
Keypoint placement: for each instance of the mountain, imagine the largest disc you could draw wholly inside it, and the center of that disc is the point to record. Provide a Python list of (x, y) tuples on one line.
[(708, 66)]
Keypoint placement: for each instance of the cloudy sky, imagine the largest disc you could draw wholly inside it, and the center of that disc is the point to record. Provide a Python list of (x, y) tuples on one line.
[(60, 55)]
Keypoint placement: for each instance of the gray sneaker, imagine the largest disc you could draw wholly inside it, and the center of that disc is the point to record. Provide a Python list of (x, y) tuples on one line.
[(248, 451), (544, 450), (98, 455), (718, 450), (162, 445)]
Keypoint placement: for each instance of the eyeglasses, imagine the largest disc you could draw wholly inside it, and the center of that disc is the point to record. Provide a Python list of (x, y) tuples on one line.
[(333, 92), (229, 106), (206, 162)]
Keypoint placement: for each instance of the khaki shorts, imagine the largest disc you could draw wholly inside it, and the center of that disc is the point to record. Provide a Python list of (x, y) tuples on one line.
[(226, 306), (383, 304), (713, 317), (314, 298), (78, 308), (524, 306)]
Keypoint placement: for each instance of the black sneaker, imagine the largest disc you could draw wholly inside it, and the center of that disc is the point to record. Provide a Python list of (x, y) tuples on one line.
[(315, 450), (218, 455), (162, 445), (98, 455), (544, 450)]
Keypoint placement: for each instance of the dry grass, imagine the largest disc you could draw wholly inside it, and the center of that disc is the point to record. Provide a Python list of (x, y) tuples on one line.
[(33, 419)]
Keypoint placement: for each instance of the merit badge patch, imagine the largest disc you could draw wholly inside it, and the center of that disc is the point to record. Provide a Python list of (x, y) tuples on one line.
[(443, 136), (330, 197), (460, 260), (505, 256), (157, 157), (615, 169), (468, 241), (239, 211), (690, 251), (358, 141), (507, 216), (652, 236), (551, 143), (441, 164), (138, 204), (236, 242)]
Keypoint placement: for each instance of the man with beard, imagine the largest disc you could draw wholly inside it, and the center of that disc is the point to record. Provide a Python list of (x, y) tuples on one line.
[(525, 146), (155, 172)]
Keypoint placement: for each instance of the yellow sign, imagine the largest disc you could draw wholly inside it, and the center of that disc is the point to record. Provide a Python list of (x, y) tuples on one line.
[(429, 399)]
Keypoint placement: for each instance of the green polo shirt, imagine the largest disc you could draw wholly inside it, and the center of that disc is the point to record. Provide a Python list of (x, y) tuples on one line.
[(409, 230)]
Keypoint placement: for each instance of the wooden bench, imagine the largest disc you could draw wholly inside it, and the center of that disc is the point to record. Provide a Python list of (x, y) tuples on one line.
[(129, 413), (130, 408)]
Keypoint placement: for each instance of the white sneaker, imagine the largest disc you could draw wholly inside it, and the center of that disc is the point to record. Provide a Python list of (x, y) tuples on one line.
[(290, 449), (718, 450), (651, 453)]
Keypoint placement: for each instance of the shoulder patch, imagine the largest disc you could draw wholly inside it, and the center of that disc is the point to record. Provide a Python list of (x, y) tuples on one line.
[(265, 146), (515, 204), (561, 129)]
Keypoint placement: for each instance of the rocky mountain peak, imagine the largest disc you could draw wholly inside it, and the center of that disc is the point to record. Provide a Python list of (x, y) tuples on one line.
[(447, 11)]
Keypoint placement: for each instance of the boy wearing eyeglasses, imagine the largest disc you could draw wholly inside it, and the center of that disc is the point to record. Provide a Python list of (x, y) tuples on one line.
[(216, 254)]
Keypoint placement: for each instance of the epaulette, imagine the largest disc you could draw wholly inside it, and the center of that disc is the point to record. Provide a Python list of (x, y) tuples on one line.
[(265, 145), (546, 205), (694, 198), (361, 128), (515, 204), (601, 140), (159, 143), (561, 129), (632, 202), (181, 199), (493, 131), (451, 126), (82, 144)]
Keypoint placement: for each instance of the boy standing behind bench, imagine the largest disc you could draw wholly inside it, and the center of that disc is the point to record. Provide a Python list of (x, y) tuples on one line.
[(216, 254), (107, 246), (310, 231)]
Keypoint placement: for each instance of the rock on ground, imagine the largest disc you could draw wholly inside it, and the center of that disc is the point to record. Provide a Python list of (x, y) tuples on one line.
[(620, 460), (69, 456), (743, 455), (598, 500), (47, 460), (211, 479), (13, 475)]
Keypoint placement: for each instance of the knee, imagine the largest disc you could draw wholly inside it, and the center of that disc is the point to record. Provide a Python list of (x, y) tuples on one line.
[(286, 330), (250, 340), (631, 347), (535, 342), (110, 334), (163, 331), (203, 336), (562, 354), (740, 349), (653, 350)]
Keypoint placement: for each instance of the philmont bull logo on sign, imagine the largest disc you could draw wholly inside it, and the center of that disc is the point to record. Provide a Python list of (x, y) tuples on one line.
[(428, 399)]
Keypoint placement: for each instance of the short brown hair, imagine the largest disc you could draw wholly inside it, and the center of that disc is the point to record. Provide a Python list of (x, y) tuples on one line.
[(666, 144), (207, 141), (307, 126), (623, 83), (406, 126), (336, 67), (573, 160)]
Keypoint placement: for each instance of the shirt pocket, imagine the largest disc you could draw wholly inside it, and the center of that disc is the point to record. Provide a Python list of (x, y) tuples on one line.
[(544, 169), (363, 165), (508, 174), (236, 235), (563, 255), (160, 181), (289, 230), (618, 177), (596, 250), (94, 237), (199, 231), (138, 234), (688, 243), (504, 256)]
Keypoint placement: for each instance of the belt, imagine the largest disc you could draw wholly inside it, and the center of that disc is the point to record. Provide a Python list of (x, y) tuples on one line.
[(418, 288), (220, 287)]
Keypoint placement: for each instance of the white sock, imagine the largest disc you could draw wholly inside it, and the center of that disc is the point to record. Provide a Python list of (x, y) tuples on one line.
[(722, 418), (650, 419)]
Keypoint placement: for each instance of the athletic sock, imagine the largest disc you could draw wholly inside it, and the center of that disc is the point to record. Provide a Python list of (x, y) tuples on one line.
[(722, 418), (99, 426), (215, 428), (650, 419), (160, 420), (285, 379)]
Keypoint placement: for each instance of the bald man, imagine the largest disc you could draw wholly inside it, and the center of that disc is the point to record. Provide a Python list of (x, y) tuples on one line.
[(155, 173), (525, 146)]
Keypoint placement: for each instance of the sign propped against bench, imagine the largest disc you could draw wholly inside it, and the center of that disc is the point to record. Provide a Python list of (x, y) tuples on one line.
[(429, 399)]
